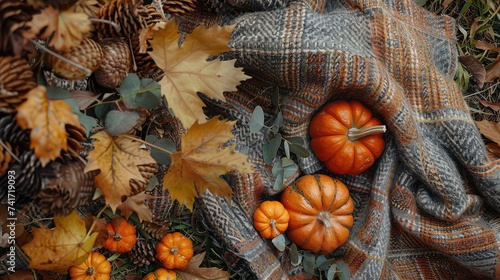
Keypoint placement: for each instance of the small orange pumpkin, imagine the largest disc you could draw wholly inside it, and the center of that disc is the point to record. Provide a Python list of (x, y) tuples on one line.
[(96, 267), (161, 274), (121, 235), (320, 210), (174, 250), (346, 138), (270, 219)]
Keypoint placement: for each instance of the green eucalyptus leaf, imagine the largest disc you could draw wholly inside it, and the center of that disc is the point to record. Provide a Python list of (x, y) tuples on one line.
[(330, 274), (278, 121), (289, 168), (279, 242), (152, 183), (299, 150), (160, 156), (344, 273), (102, 110), (296, 140), (244, 150), (118, 122), (151, 86), (257, 120), (286, 146), (309, 264), (146, 100), (278, 182), (129, 86), (270, 148), (323, 263), (295, 257)]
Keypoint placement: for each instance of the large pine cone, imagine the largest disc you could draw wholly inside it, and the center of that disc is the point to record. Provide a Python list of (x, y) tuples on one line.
[(178, 8), (27, 180), (88, 54), (5, 157), (65, 187), (16, 79), (143, 253), (147, 171), (13, 134), (14, 15), (130, 15), (116, 64)]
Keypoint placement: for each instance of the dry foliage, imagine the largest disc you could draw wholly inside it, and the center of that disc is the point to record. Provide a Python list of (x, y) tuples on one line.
[(202, 160), (59, 248)]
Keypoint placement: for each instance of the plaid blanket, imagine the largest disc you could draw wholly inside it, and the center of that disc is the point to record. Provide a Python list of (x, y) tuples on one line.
[(429, 208)]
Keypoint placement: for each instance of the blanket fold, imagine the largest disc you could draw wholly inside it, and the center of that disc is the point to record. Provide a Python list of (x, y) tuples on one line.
[(428, 209)]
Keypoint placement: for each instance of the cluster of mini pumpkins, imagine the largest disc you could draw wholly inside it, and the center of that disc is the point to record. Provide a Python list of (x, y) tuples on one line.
[(174, 251), (315, 211)]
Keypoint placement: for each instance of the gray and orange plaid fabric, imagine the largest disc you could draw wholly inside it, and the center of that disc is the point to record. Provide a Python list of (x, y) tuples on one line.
[(429, 208)]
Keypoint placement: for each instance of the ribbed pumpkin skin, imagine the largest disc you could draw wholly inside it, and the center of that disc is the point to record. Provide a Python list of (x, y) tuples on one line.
[(320, 210), (330, 143), (270, 219), (96, 267)]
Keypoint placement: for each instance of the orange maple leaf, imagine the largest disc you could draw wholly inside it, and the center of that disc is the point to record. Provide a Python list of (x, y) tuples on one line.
[(136, 204), (57, 249), (188, 71), (201, 162), (65, 29), (117, 157), (47, 120)]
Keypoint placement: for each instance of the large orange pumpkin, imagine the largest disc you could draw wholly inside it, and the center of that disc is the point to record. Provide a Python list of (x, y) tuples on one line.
[(346, 138), (320, 210), (121, 235), (174, 250)]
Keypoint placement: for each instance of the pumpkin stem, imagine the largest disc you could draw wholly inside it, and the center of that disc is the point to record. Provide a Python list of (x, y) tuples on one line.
[(89, 271), (174, 250), (324, 218), (117, 236), (272, 222), (355, 133)]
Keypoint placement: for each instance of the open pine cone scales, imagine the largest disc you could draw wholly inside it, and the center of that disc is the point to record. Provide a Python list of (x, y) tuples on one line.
[(130, 16), (14, 15), (116, 64), (16, 79), (88, 54), (179, 7)]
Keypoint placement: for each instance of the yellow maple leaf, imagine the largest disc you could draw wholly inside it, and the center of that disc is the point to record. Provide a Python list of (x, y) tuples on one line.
[(47, 120), (66, 29), (188, 71), (117, 157), (59, 248), (202, 160)]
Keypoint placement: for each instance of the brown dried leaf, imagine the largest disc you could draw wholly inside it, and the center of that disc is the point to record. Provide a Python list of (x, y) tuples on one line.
[(493, 105), (84, 98), (47, 120), (136, 204), (485, 46), (493, 72), (193, 271), (98, 226), (446, 3), (494, 148), (475, 68), (117, 157), (490, 130), (201, 162)]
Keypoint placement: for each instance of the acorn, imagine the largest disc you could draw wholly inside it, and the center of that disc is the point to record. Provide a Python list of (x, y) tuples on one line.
[(116, 64), (88, 54)]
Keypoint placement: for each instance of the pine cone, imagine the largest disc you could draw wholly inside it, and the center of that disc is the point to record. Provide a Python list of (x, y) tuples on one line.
[(146, 66), (88, 54), (14, 15), (16, 79), (143, 253), (178, 8), (66, 187), (76, 135), (130, 15), (116, 64), (13, 134), (147, 171), (27, 180), (158, 228), (5, 157)]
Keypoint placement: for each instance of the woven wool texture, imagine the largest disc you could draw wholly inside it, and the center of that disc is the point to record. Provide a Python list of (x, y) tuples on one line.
[(428, 209)]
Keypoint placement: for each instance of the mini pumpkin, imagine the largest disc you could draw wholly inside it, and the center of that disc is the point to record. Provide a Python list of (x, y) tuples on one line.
[(346, 137), (320, 209), (121, 235), (96, 267), (174, 250), (270, 219), (161, 274)]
